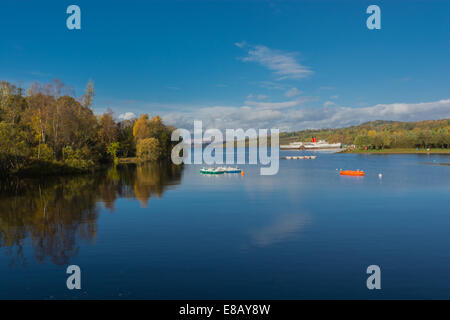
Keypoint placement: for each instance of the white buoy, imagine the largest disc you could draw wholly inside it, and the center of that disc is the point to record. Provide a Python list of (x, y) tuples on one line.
[(380, 175)]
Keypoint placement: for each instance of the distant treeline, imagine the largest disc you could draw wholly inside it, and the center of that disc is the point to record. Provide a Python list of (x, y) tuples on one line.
[(47, 130), (382, 134)]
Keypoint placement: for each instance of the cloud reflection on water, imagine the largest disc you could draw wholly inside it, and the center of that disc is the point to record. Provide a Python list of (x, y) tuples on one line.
[(285, 227)]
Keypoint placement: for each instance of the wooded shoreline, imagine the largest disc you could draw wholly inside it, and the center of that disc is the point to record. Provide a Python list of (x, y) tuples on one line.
[(400, 151), (47, 130)]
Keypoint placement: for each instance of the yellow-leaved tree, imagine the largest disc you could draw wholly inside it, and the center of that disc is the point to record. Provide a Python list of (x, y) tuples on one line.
[(141, 129), (148, 149)]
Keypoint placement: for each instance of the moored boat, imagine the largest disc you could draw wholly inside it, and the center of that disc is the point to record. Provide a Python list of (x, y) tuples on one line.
[(220, 170), (358, 173), (299, 157), (322, 145), (233, 170), (211, 171), (230, 169)]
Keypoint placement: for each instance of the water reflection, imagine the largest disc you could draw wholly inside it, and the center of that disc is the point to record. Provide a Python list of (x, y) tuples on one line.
[(54, 215), (282, 228)]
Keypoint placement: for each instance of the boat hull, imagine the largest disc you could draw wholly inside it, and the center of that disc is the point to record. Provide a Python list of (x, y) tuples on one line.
[(211, 172), (352, 173)]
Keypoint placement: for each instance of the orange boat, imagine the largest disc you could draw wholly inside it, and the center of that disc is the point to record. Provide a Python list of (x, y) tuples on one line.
[(352, 173)]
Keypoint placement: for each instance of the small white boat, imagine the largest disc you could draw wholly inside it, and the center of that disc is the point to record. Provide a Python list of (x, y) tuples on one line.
[(300, 157), (230, 169), (233, 170), (211, 171)]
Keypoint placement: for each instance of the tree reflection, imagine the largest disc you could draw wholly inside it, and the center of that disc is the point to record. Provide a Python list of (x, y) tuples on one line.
[(54, 215)]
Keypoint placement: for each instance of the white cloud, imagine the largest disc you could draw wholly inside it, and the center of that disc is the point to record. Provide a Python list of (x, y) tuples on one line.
[(281, 63), (294, 115), (346, 116), (127, 116), (223, 117), (276, 105), (285, 226), (240, 44), (329, 103), (259, 96), (292, 92)]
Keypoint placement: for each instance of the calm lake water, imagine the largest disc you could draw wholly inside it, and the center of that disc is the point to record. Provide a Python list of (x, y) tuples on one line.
[(165, 232)]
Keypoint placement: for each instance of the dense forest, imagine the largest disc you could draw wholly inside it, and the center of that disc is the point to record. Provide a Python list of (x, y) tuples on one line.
[(48, 130), (382, 134)]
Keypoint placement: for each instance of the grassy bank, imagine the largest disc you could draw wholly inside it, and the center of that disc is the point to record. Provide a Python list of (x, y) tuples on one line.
[(401, 151)]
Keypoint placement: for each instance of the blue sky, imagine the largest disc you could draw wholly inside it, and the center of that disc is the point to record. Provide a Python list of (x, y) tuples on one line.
[(286, 64)]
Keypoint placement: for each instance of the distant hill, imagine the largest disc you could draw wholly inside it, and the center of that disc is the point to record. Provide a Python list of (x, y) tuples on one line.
[(381, 134)]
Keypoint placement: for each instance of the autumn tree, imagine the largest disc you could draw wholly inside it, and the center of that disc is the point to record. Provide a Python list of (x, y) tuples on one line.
[(108, 130), (89, 94), (141, 128), (148, 149)]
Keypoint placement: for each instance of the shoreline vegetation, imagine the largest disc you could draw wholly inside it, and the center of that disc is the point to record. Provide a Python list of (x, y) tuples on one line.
[(399, 151), (129, 160), (383, 137), (48, 131)]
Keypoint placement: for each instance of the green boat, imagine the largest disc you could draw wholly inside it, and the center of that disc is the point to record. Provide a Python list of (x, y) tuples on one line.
[(211, 171)]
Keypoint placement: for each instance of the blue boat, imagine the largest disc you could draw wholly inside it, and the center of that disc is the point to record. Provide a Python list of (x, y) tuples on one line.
[(230, 170)]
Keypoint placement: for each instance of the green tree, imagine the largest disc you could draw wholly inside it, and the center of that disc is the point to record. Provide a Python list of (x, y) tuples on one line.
[(126, 139), (112, 150)]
